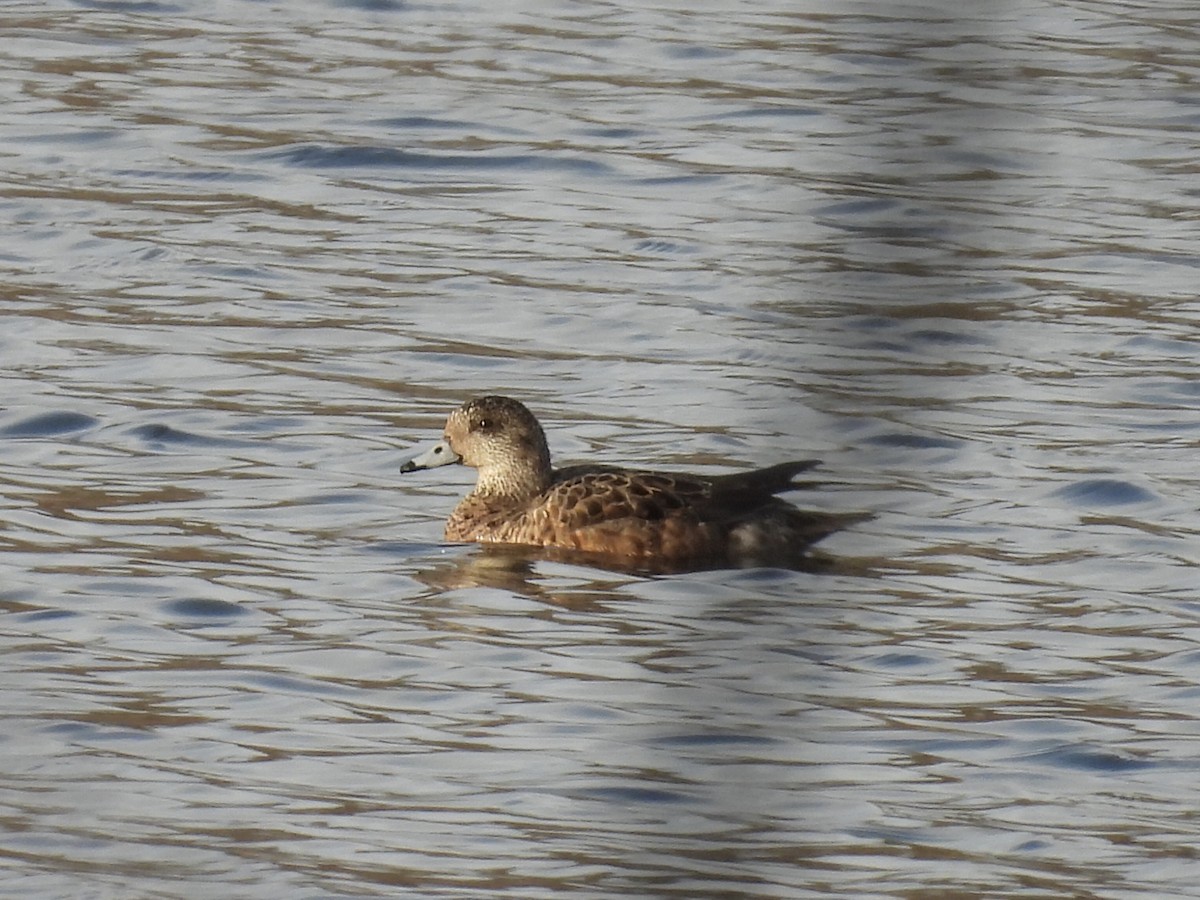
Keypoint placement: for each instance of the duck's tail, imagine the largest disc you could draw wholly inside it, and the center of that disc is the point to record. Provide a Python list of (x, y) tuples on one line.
[(749, 490)]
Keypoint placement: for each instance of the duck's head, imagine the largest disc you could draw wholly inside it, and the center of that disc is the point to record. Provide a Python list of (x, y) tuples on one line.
[(499, 437)]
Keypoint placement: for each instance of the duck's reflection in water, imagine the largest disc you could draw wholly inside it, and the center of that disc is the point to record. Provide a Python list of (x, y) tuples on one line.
[(579, 580)]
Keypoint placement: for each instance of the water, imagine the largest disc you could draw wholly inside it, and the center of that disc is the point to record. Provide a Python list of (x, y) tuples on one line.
[(255, 253)]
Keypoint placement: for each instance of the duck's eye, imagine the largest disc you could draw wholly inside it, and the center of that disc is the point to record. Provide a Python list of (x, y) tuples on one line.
[(483, 425)]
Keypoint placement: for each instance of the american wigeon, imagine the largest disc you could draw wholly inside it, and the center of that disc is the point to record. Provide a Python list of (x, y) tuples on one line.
[(634, 515)]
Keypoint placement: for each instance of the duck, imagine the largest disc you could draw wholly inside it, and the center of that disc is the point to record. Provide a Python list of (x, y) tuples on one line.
[(628, 515)]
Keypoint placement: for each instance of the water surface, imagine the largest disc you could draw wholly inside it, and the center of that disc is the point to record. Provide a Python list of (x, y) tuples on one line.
[(256, 253)]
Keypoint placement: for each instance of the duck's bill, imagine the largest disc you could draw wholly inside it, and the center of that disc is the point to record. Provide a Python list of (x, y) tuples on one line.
[(440, 455)]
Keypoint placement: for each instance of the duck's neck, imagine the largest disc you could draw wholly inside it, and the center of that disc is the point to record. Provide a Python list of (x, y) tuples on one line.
[(514, 484)]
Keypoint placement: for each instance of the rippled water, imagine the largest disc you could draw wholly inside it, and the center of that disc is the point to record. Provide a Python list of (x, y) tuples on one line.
[(256, 252)]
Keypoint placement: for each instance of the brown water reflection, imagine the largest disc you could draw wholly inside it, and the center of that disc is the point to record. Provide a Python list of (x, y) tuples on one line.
[(253, 260)]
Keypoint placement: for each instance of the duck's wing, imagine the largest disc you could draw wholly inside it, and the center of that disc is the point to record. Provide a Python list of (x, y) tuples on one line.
[(584, 496), (588, 494), (656, 515), (646, 515)]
